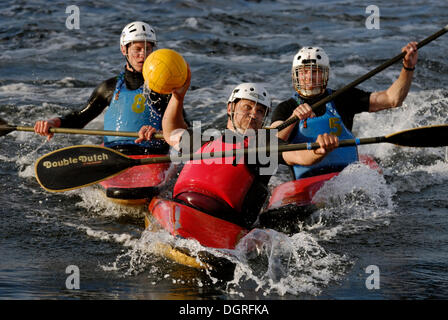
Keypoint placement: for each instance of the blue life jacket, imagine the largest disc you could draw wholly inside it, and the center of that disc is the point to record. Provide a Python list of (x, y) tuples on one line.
[(308, 130), (129, 111)]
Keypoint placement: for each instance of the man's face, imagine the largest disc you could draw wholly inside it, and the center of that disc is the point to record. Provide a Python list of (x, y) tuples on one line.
[(248, 114), (310, 77), (137, 52)]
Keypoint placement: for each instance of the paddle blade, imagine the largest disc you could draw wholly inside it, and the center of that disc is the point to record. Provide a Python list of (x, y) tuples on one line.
[(79, 166), (426, 137), (5, 128)]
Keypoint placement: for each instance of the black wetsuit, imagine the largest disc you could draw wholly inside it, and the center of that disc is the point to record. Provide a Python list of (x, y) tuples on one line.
[(347, 104), (102, 97)]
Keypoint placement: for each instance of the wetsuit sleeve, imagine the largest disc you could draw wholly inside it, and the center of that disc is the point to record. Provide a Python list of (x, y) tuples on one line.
[(284, 110), (98, 101), (351, 102)]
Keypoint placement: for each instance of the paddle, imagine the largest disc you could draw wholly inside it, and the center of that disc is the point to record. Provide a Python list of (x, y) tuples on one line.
[(5, 128), (353, 84), (80, 166)]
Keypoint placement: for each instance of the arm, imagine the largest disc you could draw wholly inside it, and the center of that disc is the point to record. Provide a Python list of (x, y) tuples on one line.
[(302, 112), (285, 133), (42, 127), (98, 101), (397, 92), (327, 143), (173, 119)]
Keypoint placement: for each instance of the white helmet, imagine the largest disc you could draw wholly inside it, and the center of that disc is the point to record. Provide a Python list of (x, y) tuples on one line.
[(312, 59), (251, 91), (137, 31)]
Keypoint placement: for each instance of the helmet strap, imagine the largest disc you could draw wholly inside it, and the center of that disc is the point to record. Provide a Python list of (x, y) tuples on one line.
[(232, 116), (127, 60), (241, 130), (130, 65), (127, 54)]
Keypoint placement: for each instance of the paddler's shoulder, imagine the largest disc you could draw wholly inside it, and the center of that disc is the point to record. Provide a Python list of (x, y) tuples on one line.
[(106, 88), (108, 84), (283, 110), (289, 103)]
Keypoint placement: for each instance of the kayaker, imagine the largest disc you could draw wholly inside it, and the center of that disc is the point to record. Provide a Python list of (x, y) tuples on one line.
[(128, 108), (235, 190), (310, 74)]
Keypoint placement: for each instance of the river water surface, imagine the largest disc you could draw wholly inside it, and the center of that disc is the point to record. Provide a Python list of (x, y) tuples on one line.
[(396, 221)]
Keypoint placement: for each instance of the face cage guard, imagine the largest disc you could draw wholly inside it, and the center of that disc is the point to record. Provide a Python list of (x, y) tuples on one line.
[(232, 118), (317, 88), (135, 55)]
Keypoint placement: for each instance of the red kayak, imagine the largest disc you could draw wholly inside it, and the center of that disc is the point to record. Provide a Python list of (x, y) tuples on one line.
[(184, 221), (188, 223), (137, 184), (292, 202), (302, 191)]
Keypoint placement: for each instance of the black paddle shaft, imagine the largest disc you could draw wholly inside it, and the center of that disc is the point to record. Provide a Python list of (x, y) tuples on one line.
[(424, 137), (79, 166), (353, 84)]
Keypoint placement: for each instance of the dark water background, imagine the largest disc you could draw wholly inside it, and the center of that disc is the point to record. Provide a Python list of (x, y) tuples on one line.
[(397, 221)]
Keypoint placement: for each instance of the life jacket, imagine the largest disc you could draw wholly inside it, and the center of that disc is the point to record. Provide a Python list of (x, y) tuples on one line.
[(308, 130), (222, 183), (129, 111)]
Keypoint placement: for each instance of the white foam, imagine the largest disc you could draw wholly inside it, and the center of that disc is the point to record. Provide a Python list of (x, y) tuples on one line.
[(17, 89), (281, 265), (427, 107), (191, 22), (94, 201), (354, 179)]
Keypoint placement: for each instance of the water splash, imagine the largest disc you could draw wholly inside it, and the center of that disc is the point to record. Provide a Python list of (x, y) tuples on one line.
[(356, 184), (276, 263), (356, 200), (269, 263), (422, 108), (94, 201), (281, 265)]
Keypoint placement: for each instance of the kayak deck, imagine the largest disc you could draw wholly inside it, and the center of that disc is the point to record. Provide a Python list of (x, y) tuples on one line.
[(137, 184), (299, 192)]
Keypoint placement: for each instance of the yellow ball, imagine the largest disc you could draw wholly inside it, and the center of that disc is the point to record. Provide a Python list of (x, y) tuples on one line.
[(164, 70)]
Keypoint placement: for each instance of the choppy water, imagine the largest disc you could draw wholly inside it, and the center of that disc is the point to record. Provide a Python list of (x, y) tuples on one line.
[(397, 221)]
